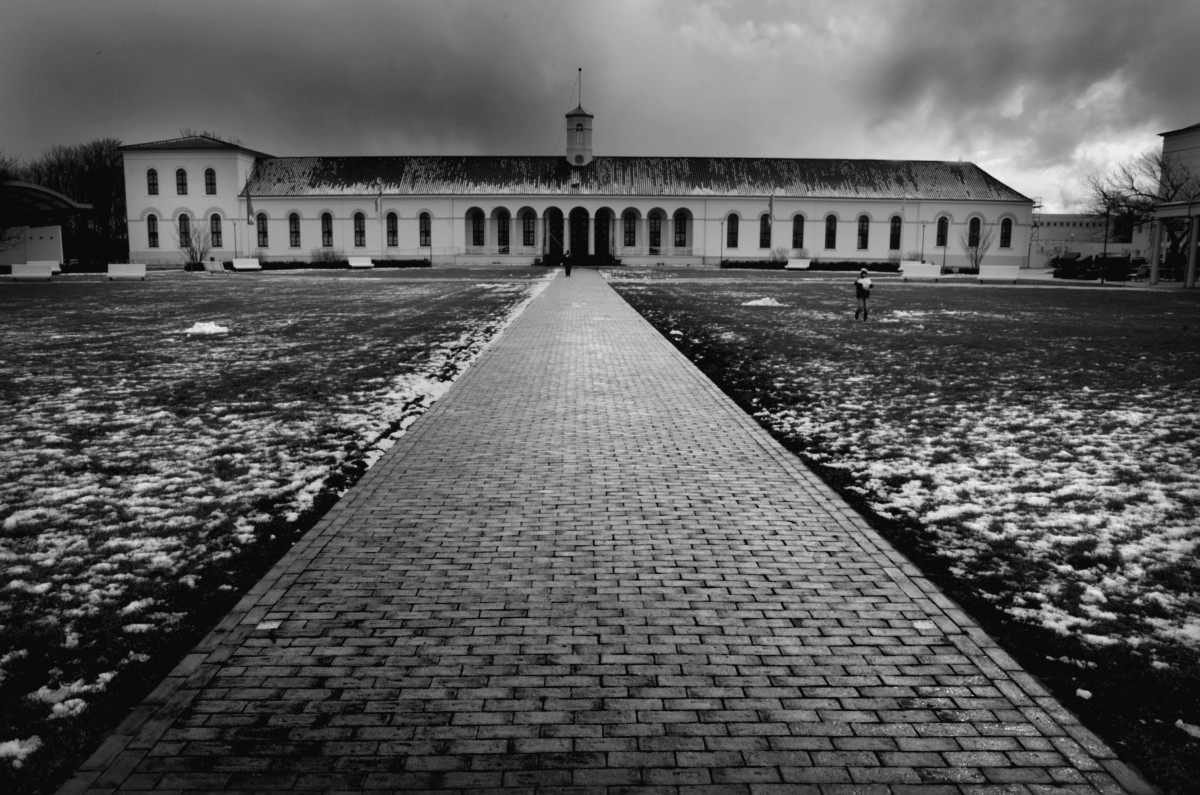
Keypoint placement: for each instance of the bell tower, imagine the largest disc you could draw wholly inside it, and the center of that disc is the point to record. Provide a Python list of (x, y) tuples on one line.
[(579, 132)]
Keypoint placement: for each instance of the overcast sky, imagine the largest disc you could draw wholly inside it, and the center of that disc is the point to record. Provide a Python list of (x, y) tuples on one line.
[(1040, 93)]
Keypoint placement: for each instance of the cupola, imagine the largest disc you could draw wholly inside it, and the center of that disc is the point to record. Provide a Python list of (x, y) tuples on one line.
[(579, 137)]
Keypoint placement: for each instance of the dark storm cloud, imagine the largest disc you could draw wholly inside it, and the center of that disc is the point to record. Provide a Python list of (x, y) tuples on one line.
[(1044, 74), (346, 77), (1041, 91)]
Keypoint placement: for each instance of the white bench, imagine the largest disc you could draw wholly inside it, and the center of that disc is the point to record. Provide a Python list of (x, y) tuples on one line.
[(55, 265), (127, 270), (29, 271), (920, 270), (246, 264), (212, 266), (361, 262), (797, 264), (999, 273)]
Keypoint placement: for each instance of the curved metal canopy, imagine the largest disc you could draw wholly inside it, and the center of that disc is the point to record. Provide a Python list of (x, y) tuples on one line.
[(23, 203)]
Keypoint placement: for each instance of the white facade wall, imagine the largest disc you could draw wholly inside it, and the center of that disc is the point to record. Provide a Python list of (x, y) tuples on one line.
[(706, 241), (706, 238), (232, 169), (1183, 146)]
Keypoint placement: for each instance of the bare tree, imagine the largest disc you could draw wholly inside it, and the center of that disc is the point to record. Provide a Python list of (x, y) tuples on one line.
[(194, 244), (976, 252), (1130, 192), (10, 169), (93, 173)]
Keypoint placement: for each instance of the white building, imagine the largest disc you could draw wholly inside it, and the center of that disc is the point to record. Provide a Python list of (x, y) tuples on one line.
[(1181, 147), (1087, 235), (513, 210)]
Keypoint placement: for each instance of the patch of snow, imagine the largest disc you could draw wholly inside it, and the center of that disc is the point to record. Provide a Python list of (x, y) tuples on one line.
[(206, 327), (763, 302), (1191, 730), (18, 750)]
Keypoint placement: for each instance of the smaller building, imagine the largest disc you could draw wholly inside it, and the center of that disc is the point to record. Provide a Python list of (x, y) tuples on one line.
[(1056, 234), (1182, 148)]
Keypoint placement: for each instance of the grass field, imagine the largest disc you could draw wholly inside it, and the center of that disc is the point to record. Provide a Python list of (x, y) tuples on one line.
[(163, 442), (1034, 449)]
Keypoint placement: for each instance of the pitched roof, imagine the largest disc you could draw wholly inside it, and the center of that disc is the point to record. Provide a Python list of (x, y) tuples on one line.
[(1182, 129), (195, 142), (626, 176)]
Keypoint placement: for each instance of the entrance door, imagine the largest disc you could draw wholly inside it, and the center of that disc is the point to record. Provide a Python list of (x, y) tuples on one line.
[(579, 233), (603, 233), (553, 244)]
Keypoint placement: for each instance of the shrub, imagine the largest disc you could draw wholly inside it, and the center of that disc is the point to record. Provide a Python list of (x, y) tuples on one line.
[(329, 255)]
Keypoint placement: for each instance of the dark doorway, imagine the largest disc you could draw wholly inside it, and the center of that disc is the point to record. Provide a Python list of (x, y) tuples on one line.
[(553, 244), (579, 233), (603, 233)]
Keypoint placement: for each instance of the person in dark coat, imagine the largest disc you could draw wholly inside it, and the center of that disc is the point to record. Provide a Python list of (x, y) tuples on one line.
[(862, 291), (567, 263)]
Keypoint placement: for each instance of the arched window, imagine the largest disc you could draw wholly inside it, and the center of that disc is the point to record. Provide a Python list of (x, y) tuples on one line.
[(655, 232), (360, 230), (864, 232), (260, 226), (894, 234), (181, 182), (425, 223), (214, 229), (185, 230), (502, 227), (477, 227), (152, 182), (798, 232), (681, 229), (152, 230), (528, 229), (764, 232), (210, 182), (731, 232), (393, 231), (943, 231), (294, 230), (973, 233), (578, 133), (326, 229), (1006, 233), (630, 219), (830, 231)]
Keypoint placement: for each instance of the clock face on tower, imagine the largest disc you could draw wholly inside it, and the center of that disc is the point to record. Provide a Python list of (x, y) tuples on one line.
[(579, 158)]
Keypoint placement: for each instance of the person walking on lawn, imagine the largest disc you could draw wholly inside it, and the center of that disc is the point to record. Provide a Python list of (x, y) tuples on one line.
[(862, 291)]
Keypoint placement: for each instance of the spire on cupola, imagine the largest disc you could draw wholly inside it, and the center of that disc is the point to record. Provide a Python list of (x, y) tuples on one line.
[(579, 132)]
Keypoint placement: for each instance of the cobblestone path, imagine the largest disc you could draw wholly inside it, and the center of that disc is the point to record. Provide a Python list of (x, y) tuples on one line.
[(586, 570)]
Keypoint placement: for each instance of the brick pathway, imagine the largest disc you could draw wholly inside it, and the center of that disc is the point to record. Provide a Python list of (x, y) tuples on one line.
[(586, 570)]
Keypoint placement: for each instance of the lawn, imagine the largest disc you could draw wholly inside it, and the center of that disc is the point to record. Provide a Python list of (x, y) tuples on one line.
[(164, 442), (1034, 449)]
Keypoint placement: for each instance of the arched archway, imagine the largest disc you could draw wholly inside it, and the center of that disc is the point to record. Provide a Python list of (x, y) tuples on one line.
[(552, 242), (579, 233), (604, 231)]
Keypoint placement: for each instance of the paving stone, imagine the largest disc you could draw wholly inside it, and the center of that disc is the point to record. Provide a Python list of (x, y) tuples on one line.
[(586, 570)]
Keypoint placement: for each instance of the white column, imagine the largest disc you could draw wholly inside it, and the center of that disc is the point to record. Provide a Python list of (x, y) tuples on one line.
[(1189, 279), (1156, 233)]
